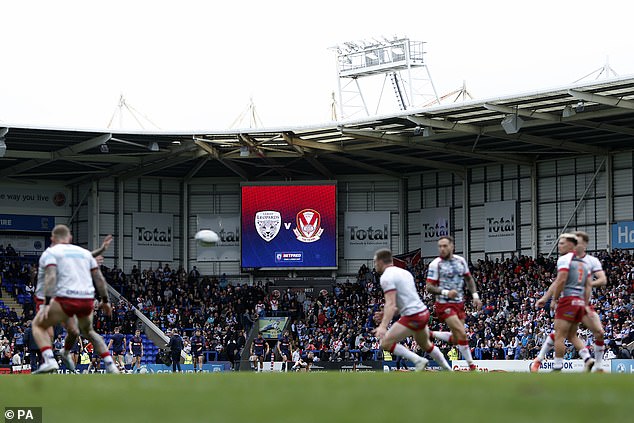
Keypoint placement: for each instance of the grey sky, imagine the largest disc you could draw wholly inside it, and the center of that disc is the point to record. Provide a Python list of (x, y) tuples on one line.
[(194, 65)]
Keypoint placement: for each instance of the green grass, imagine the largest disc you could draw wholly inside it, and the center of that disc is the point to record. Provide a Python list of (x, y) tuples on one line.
[(325, 397)]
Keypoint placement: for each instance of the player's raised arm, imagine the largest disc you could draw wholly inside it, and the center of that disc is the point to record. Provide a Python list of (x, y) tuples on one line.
[(104, 246), (471, 286)]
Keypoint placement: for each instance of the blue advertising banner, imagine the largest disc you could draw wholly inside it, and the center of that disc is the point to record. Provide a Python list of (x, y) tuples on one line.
[(623, 235), (187, 368), (622, 366), (16, 222)]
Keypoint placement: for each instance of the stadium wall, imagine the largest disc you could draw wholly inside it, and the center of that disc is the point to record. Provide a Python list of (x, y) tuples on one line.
[(546, 194)]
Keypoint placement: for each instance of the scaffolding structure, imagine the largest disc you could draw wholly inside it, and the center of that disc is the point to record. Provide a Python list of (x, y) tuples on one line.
[(399, 61)]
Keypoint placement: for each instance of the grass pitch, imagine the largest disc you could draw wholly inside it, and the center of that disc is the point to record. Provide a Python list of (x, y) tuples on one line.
[(325, 397)]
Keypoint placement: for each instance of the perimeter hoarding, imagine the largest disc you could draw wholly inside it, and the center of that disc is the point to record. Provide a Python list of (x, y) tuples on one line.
[(570, 366), (289, 226)]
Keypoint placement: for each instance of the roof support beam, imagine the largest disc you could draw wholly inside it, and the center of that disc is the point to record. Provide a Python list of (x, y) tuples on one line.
[(553, 117), (232, 166), (309, 157), (361, 165), (331, 147), (421, 143), (602, 99), (253, 145), (319, 167), (96, 158), (195, 169), (415, 161), (56, 155), (530, 139), (122, 168), (213, 152), (167, 162)]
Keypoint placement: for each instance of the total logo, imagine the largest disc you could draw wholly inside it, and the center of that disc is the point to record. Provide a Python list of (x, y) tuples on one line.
[(307, 225)]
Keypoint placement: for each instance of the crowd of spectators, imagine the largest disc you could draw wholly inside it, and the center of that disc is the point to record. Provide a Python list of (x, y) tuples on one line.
[(337, 324)]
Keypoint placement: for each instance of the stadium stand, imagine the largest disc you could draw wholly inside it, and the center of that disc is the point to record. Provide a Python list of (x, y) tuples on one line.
[(334, 325)]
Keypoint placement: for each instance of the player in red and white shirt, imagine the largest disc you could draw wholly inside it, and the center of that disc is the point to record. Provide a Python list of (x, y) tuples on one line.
[(68, 277), (446, 277), (401, 297), (591, 319), (573, 284)]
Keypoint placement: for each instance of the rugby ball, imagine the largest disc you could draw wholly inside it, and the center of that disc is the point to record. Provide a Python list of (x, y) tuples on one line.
[(207, 238)]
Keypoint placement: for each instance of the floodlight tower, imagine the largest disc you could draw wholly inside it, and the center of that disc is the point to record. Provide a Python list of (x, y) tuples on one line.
[(400, 60)]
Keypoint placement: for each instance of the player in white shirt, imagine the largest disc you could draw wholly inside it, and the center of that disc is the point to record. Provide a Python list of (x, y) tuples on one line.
[(69, 275), (72, 332), (591, 320), (446, 278), (401, 297)]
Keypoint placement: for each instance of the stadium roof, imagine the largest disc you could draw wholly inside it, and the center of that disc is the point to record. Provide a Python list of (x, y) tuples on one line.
[(583, 119)]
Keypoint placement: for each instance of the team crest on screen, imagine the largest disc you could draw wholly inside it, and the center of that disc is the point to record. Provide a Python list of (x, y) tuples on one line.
[(308, 226), (268, 223)]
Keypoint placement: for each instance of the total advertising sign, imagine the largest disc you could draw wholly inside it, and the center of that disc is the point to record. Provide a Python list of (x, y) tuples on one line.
[(366, 232), (152, 236), (500, 226), (434, 224), (289, 226), (228, 229), (623, 235)]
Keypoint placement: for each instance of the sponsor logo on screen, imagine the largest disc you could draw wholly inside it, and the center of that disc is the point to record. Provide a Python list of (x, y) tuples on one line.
[(289, 257), (268, 223), (308, 226)]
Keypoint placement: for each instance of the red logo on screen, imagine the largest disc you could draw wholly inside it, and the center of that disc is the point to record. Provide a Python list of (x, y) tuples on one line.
[(308, 226)]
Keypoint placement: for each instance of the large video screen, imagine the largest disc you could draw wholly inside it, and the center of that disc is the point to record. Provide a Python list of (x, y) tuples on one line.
[(289, 226)]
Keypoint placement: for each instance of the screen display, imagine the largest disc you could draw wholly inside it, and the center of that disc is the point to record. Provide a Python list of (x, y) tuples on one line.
[(289, 226)]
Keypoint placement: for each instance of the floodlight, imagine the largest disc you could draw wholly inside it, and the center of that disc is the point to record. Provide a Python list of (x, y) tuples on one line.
[(512, 124), (568, 111)]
